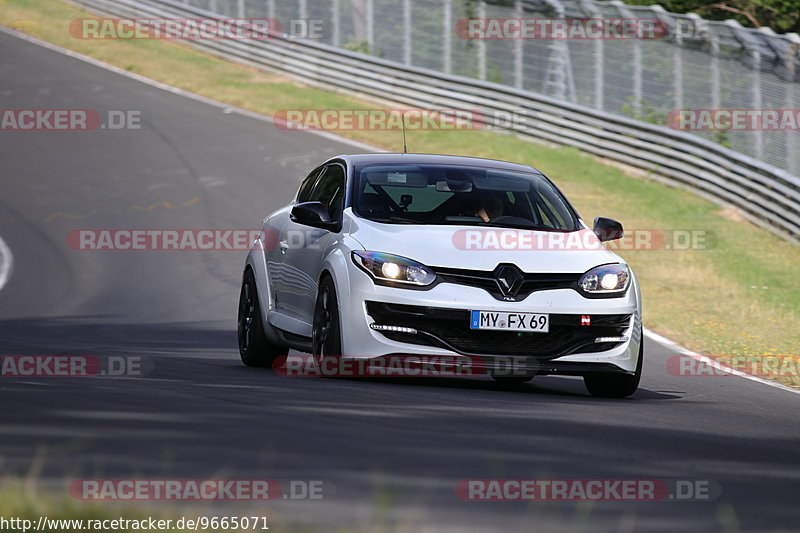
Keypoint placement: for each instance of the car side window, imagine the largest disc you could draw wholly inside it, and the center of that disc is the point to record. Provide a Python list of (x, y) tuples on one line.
[(308, 183), (330, 191)]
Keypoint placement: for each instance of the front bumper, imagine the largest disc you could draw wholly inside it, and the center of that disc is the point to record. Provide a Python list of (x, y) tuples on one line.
[(569, 348)]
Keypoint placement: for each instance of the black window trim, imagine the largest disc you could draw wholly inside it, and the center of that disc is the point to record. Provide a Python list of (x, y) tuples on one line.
[(313, 177), (324, 169)]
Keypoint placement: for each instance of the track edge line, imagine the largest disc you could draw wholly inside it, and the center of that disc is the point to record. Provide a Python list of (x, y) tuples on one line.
[(664, 341)]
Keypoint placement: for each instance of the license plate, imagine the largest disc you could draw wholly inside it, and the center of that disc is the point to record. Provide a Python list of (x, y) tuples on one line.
[(522, 322)]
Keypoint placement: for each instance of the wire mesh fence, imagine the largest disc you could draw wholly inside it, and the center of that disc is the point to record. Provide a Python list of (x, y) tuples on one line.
[(694, 64)]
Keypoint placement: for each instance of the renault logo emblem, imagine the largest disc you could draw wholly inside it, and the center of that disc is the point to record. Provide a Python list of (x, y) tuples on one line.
[(509, 279)]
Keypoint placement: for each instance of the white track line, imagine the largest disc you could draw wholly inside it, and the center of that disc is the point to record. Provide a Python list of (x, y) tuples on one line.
[(710, 361), (6, 262), (361, 146)]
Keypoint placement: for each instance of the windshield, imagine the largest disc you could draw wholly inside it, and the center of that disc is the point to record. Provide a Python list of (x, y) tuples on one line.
[(455, 195)]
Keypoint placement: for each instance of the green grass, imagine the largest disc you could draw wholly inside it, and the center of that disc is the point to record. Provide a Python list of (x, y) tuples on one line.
[(741, 297)]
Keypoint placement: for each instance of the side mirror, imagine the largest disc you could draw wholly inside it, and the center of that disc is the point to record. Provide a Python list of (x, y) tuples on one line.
[(607, 229), (312, 214)]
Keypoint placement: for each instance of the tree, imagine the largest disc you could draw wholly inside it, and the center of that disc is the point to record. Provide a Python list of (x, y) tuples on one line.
[(781, 15)]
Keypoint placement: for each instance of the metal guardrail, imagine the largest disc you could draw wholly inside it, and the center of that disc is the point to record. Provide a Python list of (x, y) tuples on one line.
[(766, 195)]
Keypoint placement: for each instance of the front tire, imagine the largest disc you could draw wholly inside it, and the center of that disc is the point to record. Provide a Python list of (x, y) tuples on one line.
[(616, 385), (326, 338), (254, 348)]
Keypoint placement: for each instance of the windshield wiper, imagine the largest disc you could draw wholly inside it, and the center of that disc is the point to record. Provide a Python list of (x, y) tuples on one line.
[(533, 227), (397, 220)]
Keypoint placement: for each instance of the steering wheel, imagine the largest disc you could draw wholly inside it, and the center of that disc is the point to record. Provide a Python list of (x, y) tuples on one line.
[(517, 221)]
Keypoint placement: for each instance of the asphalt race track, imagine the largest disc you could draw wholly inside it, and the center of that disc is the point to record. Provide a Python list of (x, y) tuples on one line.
[(393, 449)]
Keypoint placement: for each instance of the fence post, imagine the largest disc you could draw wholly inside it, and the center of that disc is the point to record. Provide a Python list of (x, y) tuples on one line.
[(335, 23), (758, 137), (407, 32), (590, 9), (481, 44), (636, 59), (755, 80), (637, 78), (714, 69), (370, 26), (791, 137), (447, 35), (677, 66), (519, 51), (599, 74)]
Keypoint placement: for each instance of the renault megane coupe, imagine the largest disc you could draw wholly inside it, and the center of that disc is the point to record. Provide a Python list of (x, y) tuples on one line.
[(431, 255)]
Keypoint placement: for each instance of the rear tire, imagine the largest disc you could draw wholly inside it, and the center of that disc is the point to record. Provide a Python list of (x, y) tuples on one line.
[(254, 348), (326, 339), (616, 385)]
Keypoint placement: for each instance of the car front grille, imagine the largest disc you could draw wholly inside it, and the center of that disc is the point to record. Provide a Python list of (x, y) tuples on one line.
[(487, 280), (449, 328)]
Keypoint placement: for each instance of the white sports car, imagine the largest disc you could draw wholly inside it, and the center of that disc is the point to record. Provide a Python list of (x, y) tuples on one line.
[(384, 254)]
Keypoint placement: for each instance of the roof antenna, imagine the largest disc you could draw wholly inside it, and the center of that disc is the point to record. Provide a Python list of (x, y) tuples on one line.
[(403, 119)]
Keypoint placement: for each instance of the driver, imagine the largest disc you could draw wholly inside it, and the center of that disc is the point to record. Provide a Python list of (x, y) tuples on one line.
[(491, 207)]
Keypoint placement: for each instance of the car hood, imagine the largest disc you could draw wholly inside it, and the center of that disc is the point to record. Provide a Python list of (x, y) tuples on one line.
[(481, 248)]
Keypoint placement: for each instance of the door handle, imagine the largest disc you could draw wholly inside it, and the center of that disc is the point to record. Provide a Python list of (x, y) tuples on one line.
[(284, 245)]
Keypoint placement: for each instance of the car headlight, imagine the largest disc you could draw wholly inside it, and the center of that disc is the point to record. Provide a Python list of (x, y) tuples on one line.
[(607, 280), (394, 269)]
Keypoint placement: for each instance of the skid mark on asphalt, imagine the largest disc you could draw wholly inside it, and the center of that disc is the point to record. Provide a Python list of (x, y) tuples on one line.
[(136, 207), (166, 205)]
